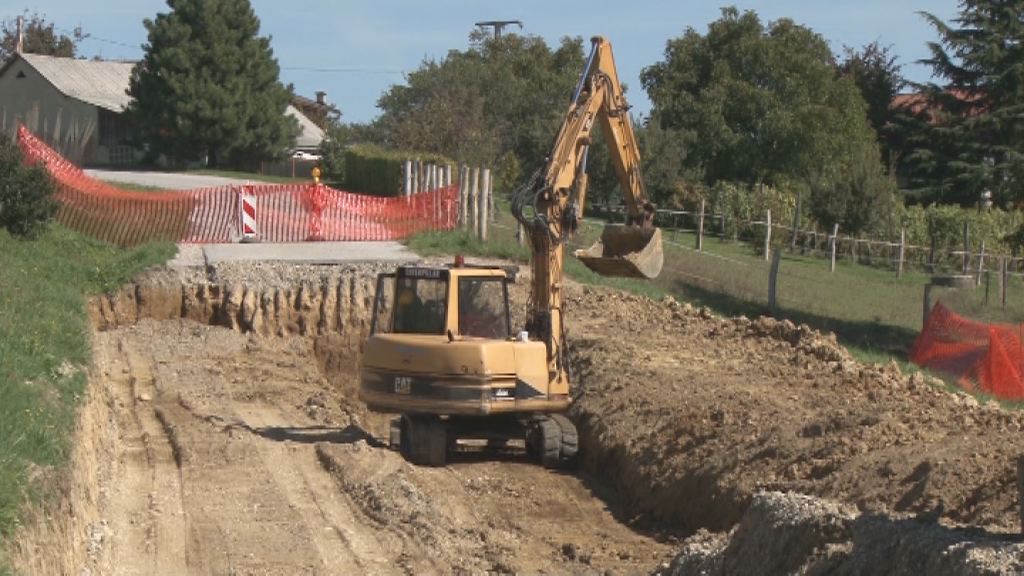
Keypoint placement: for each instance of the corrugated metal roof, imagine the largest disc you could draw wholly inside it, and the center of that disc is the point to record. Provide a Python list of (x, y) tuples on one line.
[(97, 82)]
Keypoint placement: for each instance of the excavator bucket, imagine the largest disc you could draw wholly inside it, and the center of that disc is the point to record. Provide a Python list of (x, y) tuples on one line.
[(630, 251)]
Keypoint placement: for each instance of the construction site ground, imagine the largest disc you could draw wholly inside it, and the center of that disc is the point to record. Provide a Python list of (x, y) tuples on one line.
[(222, 435)]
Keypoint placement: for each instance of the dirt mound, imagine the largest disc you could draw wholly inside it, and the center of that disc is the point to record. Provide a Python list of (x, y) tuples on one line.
[(796, 534), (689, 416)]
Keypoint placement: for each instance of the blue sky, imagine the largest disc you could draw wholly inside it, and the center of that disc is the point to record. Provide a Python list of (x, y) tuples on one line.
[(354, 50)]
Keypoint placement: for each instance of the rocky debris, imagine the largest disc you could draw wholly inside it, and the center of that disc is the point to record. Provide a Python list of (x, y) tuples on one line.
[(796, 534)]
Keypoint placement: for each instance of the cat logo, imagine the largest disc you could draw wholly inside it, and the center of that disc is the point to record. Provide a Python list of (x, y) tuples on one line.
[(403, 385)]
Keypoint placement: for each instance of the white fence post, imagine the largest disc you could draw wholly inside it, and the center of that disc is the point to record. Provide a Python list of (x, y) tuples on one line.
[(834, 240), (475, 194), (768, 236), (903, 247), (485, 203), (700, 227)]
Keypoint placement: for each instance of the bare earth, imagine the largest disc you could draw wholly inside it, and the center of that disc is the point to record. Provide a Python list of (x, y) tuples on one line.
[(238, 457), (235, 444)]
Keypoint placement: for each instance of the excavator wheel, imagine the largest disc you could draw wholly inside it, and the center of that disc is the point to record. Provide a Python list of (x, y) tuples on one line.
[(570, 440), (424, 440), (544, 441)]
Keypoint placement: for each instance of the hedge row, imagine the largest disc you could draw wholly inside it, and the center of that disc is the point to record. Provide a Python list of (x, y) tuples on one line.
[(377, 171)]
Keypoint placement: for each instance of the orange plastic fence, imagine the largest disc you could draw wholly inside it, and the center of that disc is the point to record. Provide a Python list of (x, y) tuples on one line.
[(984, 357), (284, 212)]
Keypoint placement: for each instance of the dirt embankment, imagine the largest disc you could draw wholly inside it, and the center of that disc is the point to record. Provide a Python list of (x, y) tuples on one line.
[(233, 442), (698, 414)]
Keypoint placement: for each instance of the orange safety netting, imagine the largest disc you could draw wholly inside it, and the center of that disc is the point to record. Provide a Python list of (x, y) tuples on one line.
[(984, 357), (284, 212)]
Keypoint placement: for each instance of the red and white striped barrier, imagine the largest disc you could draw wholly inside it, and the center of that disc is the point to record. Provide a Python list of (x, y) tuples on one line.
[(247, 214)]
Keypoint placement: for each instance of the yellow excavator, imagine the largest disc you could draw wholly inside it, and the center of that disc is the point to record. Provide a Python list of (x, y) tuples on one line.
[(442, 351)]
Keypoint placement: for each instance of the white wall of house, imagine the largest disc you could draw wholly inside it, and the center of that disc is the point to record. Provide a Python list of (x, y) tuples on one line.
[(67, 124)]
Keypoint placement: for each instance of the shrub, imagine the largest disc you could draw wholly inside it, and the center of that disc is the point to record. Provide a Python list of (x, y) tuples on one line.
[(26, 193), (377, 171)]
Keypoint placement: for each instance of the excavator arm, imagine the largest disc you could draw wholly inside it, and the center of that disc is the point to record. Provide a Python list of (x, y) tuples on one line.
[(551, 206)]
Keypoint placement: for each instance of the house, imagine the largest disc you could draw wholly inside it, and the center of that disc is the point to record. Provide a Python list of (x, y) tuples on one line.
[(77, 107)]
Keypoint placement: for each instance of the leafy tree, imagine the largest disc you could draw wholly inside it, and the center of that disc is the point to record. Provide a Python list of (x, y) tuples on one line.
[(39, 37), (499, 102), (26, 193), (208, 86), (976, 138), (670, 180), (762, 104), (875, 72)]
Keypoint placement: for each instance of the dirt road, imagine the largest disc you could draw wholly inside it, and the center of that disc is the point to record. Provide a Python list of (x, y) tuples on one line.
[(236, 457)]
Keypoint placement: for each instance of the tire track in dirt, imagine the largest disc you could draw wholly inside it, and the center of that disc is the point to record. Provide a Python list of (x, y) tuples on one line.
[(151, 525), (296, 468)]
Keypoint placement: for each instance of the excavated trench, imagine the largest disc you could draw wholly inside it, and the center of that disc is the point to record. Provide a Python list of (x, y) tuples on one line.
[(223, 434), (494, 513)]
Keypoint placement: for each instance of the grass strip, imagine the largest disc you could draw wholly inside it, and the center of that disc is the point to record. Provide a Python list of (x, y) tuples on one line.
[(44, 349)]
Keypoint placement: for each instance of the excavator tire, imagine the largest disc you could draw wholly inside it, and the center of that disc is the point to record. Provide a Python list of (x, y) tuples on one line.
[(544, 441), (424, 440), (570, 440)]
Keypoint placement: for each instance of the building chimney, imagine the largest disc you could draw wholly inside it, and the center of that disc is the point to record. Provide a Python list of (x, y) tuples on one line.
[(321, 97), (19, 41)]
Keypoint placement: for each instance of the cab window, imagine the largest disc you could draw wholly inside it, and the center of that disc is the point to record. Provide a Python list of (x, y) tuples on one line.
[(420, 305), (483, 308)]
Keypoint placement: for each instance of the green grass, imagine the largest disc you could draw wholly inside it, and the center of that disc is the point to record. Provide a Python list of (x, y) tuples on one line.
[(44, 348), (305, 179), (131, 186)]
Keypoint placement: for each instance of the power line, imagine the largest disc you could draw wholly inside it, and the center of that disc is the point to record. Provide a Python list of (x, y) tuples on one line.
[(364, 69)]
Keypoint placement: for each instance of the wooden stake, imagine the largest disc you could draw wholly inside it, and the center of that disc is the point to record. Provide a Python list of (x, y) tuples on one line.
[(903, 246), (834, 240), (767, 233), (1002, 281), (464, 196), (485, 203), (981, 263), (700, 227), (475, 194), (407, 169), (967, 247)]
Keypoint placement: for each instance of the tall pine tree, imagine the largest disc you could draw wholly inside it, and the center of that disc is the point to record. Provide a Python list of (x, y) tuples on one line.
[(208, 86), (976, 139)]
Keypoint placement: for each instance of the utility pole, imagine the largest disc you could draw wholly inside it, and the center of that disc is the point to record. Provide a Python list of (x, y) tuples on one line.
[(499, 25), (19, 41)]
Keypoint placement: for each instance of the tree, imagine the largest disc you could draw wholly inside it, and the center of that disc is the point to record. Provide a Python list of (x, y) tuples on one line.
[(976, 135), (761, 104), (208, 87), (39, 37), (879, 78), (26, 193), (497, 103)]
